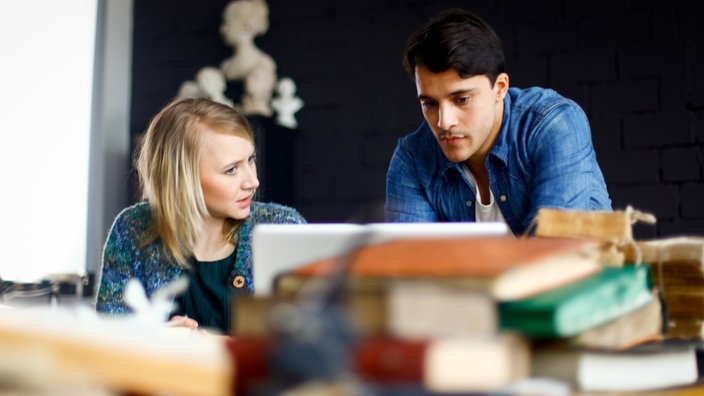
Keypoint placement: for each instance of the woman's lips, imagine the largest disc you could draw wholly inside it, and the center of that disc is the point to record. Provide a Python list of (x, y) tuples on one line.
[(245, 202)]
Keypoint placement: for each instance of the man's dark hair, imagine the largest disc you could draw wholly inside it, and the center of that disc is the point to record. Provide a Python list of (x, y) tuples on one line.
[(455, 38)]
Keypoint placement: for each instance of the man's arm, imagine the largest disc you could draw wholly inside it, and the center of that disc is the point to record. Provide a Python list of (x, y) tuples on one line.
[(405, 199), (565, 171)]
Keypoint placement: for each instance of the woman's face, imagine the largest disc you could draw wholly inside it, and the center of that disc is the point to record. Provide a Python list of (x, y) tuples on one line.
[(228, 175)]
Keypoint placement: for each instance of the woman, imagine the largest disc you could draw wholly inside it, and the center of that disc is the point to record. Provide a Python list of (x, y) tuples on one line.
[(198, 175)]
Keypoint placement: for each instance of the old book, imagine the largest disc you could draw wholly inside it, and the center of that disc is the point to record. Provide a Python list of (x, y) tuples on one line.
[(614, 225), (646, 367), (413, 309), (281, 247), (446, 365), (678, 271), (124, 355), (505, 267), (645, 324), (675, 249), (574, 308)]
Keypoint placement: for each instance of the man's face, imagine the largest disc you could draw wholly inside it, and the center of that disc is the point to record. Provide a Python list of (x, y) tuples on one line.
[(464, 113)]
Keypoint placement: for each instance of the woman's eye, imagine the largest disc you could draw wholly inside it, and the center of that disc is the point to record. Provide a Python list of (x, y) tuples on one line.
[(231, 170), (252, 159)]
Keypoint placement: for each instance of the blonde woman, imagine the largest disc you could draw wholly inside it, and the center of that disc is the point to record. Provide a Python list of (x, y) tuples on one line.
[(197, 169)]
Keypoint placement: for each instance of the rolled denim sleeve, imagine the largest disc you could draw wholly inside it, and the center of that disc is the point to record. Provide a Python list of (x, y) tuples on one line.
[(566, 173), (406, 200)]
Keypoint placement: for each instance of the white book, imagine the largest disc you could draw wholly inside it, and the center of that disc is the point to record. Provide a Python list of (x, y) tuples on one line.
[(646, 367)]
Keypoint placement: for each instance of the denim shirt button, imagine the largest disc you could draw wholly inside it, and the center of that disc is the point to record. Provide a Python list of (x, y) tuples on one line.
[(503, 198), (468, 203)]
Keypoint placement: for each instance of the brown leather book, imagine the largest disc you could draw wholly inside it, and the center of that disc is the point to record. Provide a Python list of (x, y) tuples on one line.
[(455, 364), (507, 268)]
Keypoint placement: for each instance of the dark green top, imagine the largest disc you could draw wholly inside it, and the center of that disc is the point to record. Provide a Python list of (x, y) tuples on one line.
[(210, 292)]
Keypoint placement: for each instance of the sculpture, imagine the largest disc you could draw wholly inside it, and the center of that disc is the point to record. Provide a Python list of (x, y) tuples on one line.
[(212, 82), (243, 20), (209, 83), (286, 104)]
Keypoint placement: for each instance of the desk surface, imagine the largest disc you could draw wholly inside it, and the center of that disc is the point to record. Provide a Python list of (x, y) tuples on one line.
[(695, 390)]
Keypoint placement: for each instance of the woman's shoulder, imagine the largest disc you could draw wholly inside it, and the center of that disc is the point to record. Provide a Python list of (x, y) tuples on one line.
[(274, 213), (136, 218)]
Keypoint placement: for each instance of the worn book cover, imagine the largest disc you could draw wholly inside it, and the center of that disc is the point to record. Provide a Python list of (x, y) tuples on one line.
[(650, 366), (569, 310), (507, 268), (410, 309)]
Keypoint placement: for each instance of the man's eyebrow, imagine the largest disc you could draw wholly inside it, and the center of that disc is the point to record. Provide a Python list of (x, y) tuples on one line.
[(462, 91), (453, 93)]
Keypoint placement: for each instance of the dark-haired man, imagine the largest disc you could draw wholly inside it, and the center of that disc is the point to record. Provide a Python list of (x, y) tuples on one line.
[(486, 152)]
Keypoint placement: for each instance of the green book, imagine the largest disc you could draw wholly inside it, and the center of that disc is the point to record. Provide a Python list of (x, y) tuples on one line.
[(574, 308)]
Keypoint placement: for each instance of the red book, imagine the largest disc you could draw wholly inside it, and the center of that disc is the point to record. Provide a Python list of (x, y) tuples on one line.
[(443, 365)]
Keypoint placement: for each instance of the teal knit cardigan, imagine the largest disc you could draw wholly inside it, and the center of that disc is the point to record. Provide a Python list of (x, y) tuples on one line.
[(124, 257)]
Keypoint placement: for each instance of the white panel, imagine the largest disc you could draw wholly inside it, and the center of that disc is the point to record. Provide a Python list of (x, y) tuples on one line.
[(46, 75)]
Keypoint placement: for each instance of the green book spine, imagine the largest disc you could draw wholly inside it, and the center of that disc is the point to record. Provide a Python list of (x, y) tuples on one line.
[(571, 309)]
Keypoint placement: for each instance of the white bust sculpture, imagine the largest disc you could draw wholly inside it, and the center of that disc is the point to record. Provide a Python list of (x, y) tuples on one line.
[(212, 82), (286, 103), (243, 20), (209, 83)]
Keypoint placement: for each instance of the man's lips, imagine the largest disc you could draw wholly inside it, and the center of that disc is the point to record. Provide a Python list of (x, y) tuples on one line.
[(451, 139)]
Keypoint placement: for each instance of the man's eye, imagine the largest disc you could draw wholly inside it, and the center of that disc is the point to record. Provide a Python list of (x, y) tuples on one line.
[(462, 100), (428, 103)]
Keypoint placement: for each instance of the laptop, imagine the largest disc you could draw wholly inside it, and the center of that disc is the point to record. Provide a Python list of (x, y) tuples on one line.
[(280, 247)]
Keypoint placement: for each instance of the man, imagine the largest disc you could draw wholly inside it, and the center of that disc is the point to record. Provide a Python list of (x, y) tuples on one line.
[(486, 152)]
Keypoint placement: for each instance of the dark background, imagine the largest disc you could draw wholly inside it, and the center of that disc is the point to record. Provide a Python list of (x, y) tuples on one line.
[(636, 67)]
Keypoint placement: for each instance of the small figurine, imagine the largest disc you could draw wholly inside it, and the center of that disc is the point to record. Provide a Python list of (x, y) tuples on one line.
[(212, 82), (209, 83), (286, 104), (243, 20)]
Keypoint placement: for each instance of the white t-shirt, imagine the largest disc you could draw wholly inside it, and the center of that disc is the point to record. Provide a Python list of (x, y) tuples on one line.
[(484, 213)]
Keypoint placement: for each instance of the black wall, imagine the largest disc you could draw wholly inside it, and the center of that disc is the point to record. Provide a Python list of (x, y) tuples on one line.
[(636, 67)]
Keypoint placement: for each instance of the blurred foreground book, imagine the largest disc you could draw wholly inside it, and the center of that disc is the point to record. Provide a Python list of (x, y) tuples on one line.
[(118, 354), (574, 308), (646, 367), (506, 268), (452, 365)]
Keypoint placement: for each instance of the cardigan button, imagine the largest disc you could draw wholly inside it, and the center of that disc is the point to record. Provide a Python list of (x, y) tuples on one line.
[(238, 282), (468, 203), (503, 198)]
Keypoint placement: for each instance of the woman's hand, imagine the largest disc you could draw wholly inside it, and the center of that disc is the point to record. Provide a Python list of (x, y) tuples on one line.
[(182, 321)]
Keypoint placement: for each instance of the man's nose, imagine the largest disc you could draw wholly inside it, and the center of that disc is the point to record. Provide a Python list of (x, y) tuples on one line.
[(447, 117)]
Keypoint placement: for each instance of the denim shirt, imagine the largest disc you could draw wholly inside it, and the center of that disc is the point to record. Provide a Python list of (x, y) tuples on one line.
[(542, 157)]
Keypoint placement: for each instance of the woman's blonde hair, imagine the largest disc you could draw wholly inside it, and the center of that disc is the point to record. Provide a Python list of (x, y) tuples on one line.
[(168, 162)]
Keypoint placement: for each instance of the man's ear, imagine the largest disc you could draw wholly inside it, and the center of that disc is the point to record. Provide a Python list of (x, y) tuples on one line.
[(501, 86)]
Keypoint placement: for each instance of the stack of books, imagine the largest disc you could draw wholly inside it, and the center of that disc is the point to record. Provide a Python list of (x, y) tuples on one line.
[(479, 314), (678, 271)]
